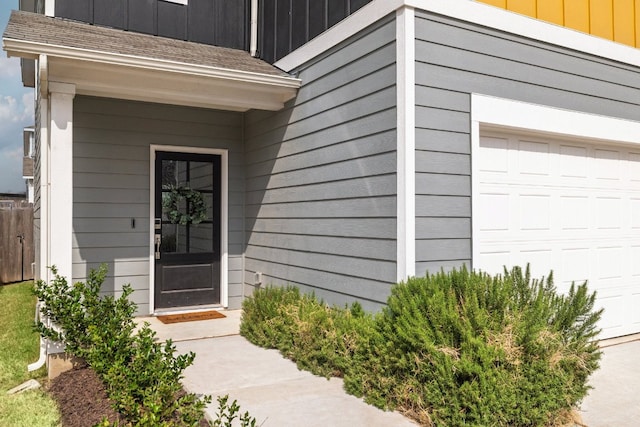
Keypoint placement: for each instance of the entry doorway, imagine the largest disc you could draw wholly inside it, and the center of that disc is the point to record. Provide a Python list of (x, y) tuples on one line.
[(187, 229)]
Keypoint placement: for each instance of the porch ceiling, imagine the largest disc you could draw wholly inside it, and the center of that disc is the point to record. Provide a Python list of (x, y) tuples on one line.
[(120, 64)]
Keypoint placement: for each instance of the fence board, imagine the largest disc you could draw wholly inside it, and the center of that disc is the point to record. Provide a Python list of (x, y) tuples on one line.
[(16, 255)]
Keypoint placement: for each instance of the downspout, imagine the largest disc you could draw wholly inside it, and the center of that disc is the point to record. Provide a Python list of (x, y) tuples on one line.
[(41, 83), (253, 46)]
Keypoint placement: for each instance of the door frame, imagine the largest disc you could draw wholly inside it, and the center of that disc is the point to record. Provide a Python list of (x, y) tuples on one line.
[(224, 215)]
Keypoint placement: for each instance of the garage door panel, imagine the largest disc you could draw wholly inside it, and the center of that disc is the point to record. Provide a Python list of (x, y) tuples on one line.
[(534, 212), (635, 261), (609, 212), (573, 161), (494, 212), (574, 212), (568, 206), (634, 213), (610, 262), (533, 158), (494, 157)]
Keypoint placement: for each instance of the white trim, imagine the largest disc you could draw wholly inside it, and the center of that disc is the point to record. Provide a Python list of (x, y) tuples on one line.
[(406, 157), (50, 7), (27, 49), (224, 216), (183, 2), (490, 112), (253, 43), (469, 11), (61, 177), (508, 113)]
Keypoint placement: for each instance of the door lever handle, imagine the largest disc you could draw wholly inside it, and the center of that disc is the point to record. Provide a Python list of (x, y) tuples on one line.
[(157, 241)]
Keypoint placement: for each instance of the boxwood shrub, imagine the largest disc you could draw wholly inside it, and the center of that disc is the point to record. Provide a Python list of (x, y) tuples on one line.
[(449, 349)]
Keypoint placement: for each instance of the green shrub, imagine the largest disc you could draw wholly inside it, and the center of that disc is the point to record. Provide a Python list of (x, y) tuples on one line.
[(141, 375), (465, 348), (227, 412), (458, 348), (92, 327), (318, 338)]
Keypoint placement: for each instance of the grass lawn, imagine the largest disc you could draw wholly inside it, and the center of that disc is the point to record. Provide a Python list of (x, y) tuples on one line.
[(18, 348)]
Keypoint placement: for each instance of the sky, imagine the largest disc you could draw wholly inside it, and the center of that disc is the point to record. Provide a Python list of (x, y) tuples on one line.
[(16, 112)]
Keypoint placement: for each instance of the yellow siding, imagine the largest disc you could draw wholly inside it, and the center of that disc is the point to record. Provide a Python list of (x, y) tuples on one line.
[(637, 19), (551, 11), (601, 12), (624, 22), (617, 20), (576, 14), (525, 7)]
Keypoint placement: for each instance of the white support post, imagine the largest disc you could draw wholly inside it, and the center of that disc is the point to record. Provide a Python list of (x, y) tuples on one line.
[(406, 157), (61, 176)]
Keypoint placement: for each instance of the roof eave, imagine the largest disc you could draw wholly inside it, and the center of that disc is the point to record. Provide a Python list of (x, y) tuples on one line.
[(33, 50)]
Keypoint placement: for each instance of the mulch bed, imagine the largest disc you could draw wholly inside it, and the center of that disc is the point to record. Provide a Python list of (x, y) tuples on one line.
[(82, 399)]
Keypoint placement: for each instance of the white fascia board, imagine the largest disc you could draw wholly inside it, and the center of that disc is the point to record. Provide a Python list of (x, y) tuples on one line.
[(464, 10), (27, 49)]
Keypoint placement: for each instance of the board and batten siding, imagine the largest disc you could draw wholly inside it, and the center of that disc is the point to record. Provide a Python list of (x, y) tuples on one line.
[(321, 177), (111, 185), (455, 59)]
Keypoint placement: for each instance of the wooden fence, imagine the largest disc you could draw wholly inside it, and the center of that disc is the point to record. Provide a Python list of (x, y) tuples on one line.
[(17, 250)]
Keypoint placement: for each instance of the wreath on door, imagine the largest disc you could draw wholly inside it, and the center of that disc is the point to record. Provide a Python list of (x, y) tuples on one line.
[(196, 211)]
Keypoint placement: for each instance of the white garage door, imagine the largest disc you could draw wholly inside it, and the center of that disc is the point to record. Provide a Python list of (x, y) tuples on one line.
[(571, 207)]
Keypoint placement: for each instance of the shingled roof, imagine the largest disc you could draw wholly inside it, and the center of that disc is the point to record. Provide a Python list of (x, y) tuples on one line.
[(44, 30)]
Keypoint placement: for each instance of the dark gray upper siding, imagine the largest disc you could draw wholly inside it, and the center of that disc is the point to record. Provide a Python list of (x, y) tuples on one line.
[(111, 184), (321, 181), (214, 22), (455, 59)]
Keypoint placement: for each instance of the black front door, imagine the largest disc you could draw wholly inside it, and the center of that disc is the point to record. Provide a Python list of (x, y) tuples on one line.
[(187, 229)]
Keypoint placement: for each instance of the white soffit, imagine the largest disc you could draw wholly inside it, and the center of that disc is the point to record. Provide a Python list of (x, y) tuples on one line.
[(464, 10)]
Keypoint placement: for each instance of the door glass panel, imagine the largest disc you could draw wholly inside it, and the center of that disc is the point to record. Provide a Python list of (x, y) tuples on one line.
[(200, 238), (187, 206), (208, 200), (169, 242), (201, 174)]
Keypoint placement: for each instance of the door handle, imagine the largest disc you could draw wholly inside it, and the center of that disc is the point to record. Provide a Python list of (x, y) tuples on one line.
[(157, 241)]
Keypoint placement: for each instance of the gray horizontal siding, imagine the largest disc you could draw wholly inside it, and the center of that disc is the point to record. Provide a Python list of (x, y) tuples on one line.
[(111, 185), (321, 181), (455, 59)]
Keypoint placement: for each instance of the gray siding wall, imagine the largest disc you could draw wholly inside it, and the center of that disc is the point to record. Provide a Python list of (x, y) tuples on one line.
[(455, 59), (111, 184), (321, 182)]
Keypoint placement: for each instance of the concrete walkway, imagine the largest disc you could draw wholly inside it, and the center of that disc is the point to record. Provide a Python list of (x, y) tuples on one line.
[(264, 383), (274, 391), (615, 398)]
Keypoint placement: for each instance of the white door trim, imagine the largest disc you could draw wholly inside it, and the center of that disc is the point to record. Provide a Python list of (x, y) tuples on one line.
[(224, 207), (489, 112)]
